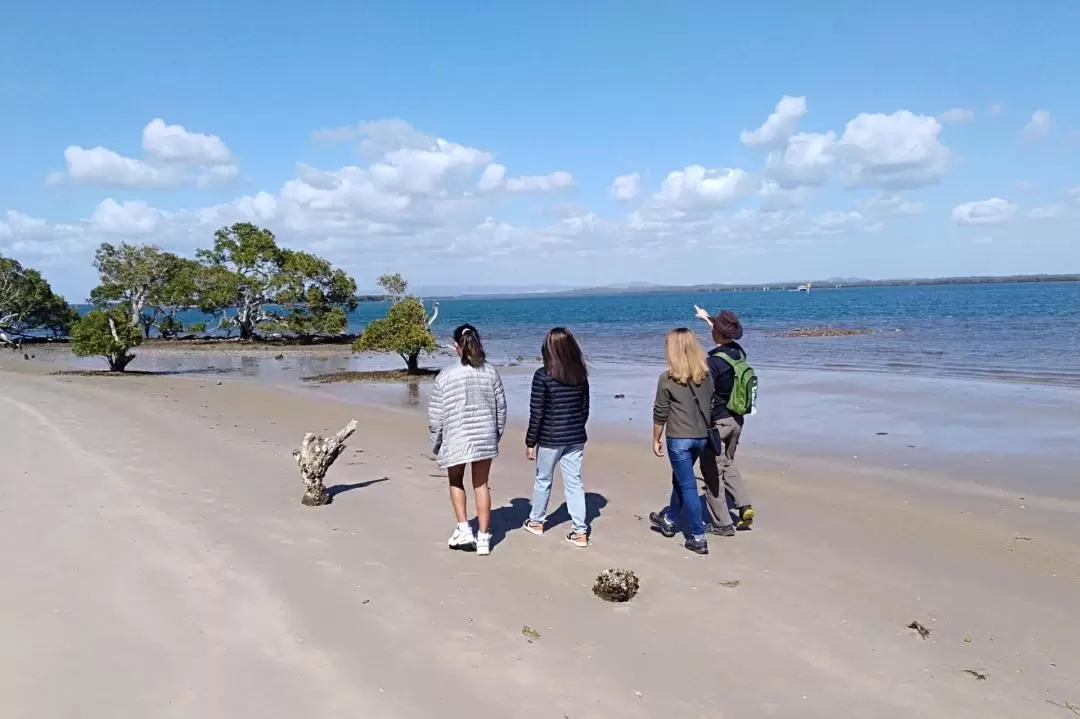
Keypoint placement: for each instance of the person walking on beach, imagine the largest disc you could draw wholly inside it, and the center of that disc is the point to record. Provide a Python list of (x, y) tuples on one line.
[(558, 412), (466, 419), (736, 388), (682, 410)]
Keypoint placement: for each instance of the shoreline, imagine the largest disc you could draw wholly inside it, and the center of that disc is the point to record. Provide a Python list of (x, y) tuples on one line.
[(162, 350), (178, 495), (1011, 436)]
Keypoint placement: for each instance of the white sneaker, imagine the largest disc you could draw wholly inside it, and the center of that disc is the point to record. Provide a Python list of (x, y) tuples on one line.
[(483, 544), (462, 540)]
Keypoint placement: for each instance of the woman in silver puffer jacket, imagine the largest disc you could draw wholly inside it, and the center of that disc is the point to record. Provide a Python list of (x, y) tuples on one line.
[(466, 419)]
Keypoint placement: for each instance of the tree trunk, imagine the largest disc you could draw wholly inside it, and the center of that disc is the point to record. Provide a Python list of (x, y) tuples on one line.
[(14, 344), (412, 363), (247, 330), (314, 458), (118, 361)]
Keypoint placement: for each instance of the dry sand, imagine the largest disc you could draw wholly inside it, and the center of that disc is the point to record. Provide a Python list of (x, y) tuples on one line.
[(157, 563)]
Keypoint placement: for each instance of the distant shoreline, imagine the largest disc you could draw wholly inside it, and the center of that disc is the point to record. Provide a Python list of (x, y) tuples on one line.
[(830, 284)]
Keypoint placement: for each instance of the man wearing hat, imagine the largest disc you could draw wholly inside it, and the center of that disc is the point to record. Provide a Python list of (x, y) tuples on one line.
[(721, 475)]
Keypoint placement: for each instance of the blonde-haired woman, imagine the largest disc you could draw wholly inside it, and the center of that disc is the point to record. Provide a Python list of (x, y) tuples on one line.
[(683, 410)]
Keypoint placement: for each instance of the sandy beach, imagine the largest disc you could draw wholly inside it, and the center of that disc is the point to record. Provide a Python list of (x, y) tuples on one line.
[(159, 564)]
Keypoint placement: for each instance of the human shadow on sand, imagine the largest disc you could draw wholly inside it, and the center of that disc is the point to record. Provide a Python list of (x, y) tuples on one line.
[(510, 517), (342, 488)]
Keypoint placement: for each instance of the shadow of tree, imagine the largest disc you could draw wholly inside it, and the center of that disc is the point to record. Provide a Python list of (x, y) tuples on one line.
[(342, 488)]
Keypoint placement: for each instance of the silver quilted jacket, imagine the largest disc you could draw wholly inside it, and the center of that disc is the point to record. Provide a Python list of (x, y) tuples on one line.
[(467, 414)]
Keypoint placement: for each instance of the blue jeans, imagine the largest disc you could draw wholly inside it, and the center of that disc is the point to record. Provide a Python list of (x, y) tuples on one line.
[(569, 460), (682, 453)]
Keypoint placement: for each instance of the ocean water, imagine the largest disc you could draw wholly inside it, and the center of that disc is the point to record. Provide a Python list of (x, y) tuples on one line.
[(985, 378), (1023, 332), (1017, 331)]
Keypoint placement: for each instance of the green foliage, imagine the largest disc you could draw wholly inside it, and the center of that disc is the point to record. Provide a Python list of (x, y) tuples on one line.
[(247, 272), (197, 327), (404, 330), (151, 283), (58, 317), (316, 297), (395, 286), (243, 272), (168, 327), (27, 303), (107, 333)]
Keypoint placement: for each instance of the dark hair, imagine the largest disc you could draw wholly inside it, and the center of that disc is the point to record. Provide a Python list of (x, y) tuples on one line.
[(472, 352), (562, 357)]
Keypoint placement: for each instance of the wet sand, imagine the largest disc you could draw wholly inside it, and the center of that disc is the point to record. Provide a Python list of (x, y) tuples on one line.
[(160, 564)]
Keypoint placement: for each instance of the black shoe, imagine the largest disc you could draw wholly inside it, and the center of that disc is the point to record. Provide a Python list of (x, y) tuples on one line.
[(746, 518), (697, 546), (728, 530), (661, 524)]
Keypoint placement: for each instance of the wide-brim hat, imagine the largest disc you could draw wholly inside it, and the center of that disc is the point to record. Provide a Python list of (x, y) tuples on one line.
[(727, 323)]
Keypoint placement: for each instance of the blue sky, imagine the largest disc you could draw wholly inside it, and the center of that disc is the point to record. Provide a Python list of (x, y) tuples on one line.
[(478, 144)]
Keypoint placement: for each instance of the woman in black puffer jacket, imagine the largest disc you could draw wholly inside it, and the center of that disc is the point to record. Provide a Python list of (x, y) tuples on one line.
[(558, 411)]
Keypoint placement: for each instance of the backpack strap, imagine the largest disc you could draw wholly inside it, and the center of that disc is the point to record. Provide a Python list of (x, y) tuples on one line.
[(727, 358)]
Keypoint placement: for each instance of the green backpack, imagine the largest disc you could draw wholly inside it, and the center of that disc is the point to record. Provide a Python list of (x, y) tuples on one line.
[(744, 390)]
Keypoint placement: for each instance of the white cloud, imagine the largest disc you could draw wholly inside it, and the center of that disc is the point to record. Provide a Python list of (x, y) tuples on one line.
[(997, 110), (779, 125), (217, 174), (36, 240), (900, 150), (984, 212), (100, 166), (698, 188), (957, 116), (128, 218), (1049, 212), (492, 178), (172, 143), (1073, 193), (377, 137), (172, 156), (775, 198), (835, 223), (806, 160), (895, 204), (1038, 127), (626, 187), (540, 183), (21, 224), (423, 171), (261, 207)]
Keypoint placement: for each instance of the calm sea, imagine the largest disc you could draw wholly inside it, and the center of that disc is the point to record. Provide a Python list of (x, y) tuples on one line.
[(1023, 332), (1028, 332)]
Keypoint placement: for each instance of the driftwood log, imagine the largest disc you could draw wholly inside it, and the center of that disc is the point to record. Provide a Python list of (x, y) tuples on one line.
[(314, 458)]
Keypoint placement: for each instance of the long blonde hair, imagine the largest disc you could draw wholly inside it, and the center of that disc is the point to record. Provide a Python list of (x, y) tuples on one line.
[(685, 358)]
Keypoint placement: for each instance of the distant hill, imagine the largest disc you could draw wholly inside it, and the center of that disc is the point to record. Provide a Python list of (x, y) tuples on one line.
[(626, 288), (845, 280)]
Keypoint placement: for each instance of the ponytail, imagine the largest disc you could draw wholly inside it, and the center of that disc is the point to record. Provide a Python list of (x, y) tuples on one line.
[(467, 338)]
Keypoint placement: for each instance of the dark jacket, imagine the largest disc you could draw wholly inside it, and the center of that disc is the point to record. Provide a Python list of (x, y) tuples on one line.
[(723, 377), (557, 412), (675, 409)]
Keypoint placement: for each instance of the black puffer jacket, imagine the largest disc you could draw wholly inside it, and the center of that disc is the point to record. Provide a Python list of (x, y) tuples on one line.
[(557, 412)]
